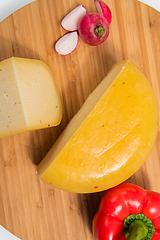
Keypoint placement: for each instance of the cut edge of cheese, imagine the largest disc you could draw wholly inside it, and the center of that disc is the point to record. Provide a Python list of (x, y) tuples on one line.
[(76, 121), (44, 89), (13, 64)]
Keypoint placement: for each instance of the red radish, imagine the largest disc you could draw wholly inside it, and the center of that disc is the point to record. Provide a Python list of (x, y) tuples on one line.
[(67, 43), (71, 20), (104, 10), (93, 29)]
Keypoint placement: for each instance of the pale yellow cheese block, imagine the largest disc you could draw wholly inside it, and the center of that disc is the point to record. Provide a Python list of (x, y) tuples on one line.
[(109, 138), (29, 97)]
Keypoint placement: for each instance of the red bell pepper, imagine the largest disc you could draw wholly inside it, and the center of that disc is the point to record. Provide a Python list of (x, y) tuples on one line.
[(127, 211)]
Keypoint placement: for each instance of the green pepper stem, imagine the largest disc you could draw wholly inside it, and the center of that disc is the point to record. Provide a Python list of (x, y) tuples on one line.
[(138, 230), (99, 30), (137, 227)]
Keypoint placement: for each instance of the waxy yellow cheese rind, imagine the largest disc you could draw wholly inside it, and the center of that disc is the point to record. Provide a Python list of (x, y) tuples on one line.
[(29, 97), (110, 137)]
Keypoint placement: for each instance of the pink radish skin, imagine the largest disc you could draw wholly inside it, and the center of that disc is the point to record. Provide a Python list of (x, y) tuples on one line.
[(67, 43), (93, 29), (71, 20), (104, 10)]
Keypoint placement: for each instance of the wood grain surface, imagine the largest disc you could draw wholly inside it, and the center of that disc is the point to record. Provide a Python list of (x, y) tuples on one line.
[(29, 208)]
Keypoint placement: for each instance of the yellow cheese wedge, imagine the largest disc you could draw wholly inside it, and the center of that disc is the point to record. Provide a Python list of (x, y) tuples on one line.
[(29, 98), (109, 138)]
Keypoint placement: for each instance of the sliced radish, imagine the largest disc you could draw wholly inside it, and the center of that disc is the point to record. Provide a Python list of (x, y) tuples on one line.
[(67, 43), (71, 20), (104, 10)]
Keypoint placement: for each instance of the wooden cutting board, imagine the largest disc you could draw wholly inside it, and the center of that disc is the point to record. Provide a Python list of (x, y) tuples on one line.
[(29, 208)]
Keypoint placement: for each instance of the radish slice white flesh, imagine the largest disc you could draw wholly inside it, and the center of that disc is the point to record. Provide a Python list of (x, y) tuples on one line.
[(71, 20), (103, 10), (67, 43)]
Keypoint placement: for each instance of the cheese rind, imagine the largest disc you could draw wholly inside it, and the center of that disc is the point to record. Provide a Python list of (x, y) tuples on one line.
[(29, 98), (109, 138)]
